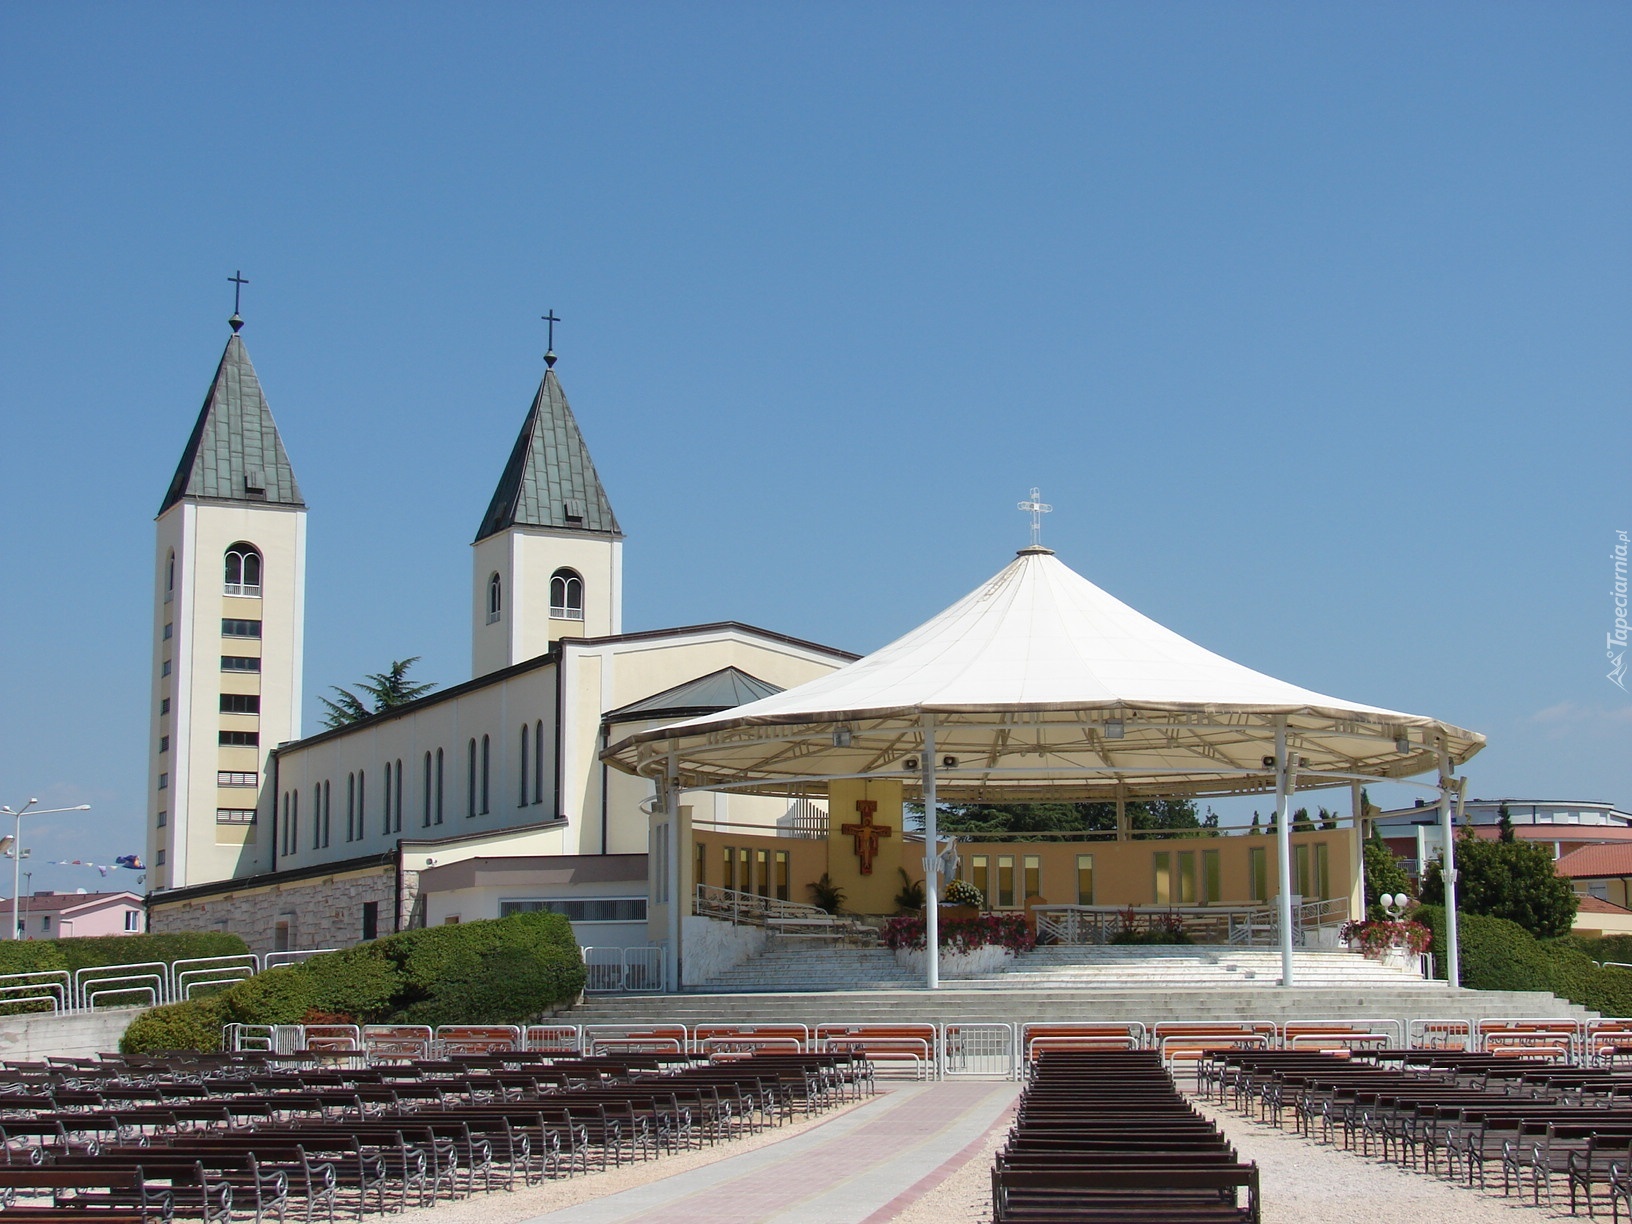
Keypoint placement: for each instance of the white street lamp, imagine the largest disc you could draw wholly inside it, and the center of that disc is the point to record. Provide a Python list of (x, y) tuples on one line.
[(17, 853)]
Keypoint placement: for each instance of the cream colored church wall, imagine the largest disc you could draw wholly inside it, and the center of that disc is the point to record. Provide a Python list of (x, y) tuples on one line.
[(193, 846), (497, 711)]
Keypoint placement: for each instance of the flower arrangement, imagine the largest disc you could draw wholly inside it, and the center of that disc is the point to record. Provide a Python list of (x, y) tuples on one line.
[(1165, 928), (1006, 930), (962, 892), (1375, 938)]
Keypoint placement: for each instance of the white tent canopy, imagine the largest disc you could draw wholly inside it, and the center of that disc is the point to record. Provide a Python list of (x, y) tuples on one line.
[(1039, 685)]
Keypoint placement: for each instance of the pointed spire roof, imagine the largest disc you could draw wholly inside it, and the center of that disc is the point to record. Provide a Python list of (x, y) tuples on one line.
[(550, 480), (235, 453)]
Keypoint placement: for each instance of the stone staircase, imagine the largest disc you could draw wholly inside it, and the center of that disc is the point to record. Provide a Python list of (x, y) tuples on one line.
[(809, 981)]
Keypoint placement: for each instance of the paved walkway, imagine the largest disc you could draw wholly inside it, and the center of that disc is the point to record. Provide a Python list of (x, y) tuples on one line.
[(862, 1167)]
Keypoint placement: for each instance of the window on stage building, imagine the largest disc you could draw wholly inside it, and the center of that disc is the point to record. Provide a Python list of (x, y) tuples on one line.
[(1085, 879), (1005, 881), (781, 875), (1258, 872), (762, 872), (1162, 865), (980, 875), (566, 595), (1033, 884), (1211, 889)]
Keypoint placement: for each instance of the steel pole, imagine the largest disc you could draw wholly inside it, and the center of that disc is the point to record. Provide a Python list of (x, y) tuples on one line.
[(1283, 848), (932, 882), (1453, 954)]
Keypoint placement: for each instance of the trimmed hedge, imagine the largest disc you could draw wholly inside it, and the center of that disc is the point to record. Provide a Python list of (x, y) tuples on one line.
[(499, 971), (1502, 955)]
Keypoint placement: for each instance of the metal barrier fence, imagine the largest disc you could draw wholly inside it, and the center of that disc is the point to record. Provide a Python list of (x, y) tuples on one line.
[(148, 983), (951, 1049), (623, 970)]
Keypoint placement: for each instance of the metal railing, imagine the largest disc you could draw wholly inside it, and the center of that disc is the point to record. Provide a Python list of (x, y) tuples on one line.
[(623, 970), (1247, 925), (952, 1048), (144, 984), (783, 917)]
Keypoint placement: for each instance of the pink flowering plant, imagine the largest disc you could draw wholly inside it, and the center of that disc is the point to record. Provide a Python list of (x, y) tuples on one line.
[(1008, 930), (1375, 938)]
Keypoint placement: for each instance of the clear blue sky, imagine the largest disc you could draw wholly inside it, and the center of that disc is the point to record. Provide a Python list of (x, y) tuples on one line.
[(1311, 321)]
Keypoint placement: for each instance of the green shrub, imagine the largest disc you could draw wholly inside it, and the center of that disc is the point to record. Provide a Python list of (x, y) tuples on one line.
[(278, 996), (1502, 955), (193, 1025), (363, 981), (31, 955)]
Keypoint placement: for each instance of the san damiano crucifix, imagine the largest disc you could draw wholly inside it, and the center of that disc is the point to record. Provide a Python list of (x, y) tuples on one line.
[(866, 833)]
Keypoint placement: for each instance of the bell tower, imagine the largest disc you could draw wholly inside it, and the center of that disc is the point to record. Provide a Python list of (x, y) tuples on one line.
[(228, 628), (548, 559)]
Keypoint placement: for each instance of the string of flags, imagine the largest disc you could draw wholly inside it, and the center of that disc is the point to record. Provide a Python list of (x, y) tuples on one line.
[(130, 862)]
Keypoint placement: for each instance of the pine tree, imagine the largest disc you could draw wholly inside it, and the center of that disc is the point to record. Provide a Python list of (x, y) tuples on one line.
[(1504, 822), (388, 689)]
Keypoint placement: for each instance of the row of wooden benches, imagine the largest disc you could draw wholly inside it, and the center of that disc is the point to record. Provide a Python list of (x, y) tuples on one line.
[(1546, 1124), (92, 1168), (1104, 1136)]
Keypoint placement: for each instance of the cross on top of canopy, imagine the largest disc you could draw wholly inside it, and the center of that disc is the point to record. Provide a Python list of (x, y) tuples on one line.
[(1040, 686)]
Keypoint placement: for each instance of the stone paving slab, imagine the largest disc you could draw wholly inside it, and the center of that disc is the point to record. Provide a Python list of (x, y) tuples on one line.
[(859, 1168)]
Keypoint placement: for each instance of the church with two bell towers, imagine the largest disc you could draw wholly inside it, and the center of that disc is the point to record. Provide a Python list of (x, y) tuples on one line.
[(481, 799)]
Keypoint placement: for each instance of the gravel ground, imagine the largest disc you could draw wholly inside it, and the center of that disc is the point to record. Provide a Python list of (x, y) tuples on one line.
[(1303, 1182), (525, 1202)]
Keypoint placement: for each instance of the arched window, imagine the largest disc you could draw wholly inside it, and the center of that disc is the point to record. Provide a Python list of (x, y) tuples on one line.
[(244, 570), (487, 774), (495, 598), (170, 576), (566, 595), (526, 735)]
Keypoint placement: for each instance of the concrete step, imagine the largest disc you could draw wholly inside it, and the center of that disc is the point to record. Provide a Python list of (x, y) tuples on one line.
[(955, 1003)]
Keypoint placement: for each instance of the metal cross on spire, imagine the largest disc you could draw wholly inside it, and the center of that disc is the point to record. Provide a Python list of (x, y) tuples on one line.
[(549, 346), (1036, 509), (238, 282)]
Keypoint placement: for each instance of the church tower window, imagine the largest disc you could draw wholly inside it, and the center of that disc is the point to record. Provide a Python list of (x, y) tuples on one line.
[(495, 598), (566, 595), (170, 577), (243, 570)]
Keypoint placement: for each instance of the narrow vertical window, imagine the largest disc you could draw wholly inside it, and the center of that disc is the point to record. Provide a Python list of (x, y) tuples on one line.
[(362, 802), (762, 872), (1300, 870), (385, 799), (781, 875), (487, 773), (1258, 873), (728, 875), (170, 576), (538, 761), (495, 598), (351, 807), (701, 869), (1085, 879), (470, 780), (426, 812), (1033, 885), (397, 827), (440, 777), (1186, 863), (317, 816), (979, 873), (1210, 881), (521, 799)]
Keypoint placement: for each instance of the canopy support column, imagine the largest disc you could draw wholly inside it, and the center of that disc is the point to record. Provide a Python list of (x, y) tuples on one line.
[(1453, 954), (1357, 805), (932, 866), (677, 906), (1122, 833), (1283, 847)]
